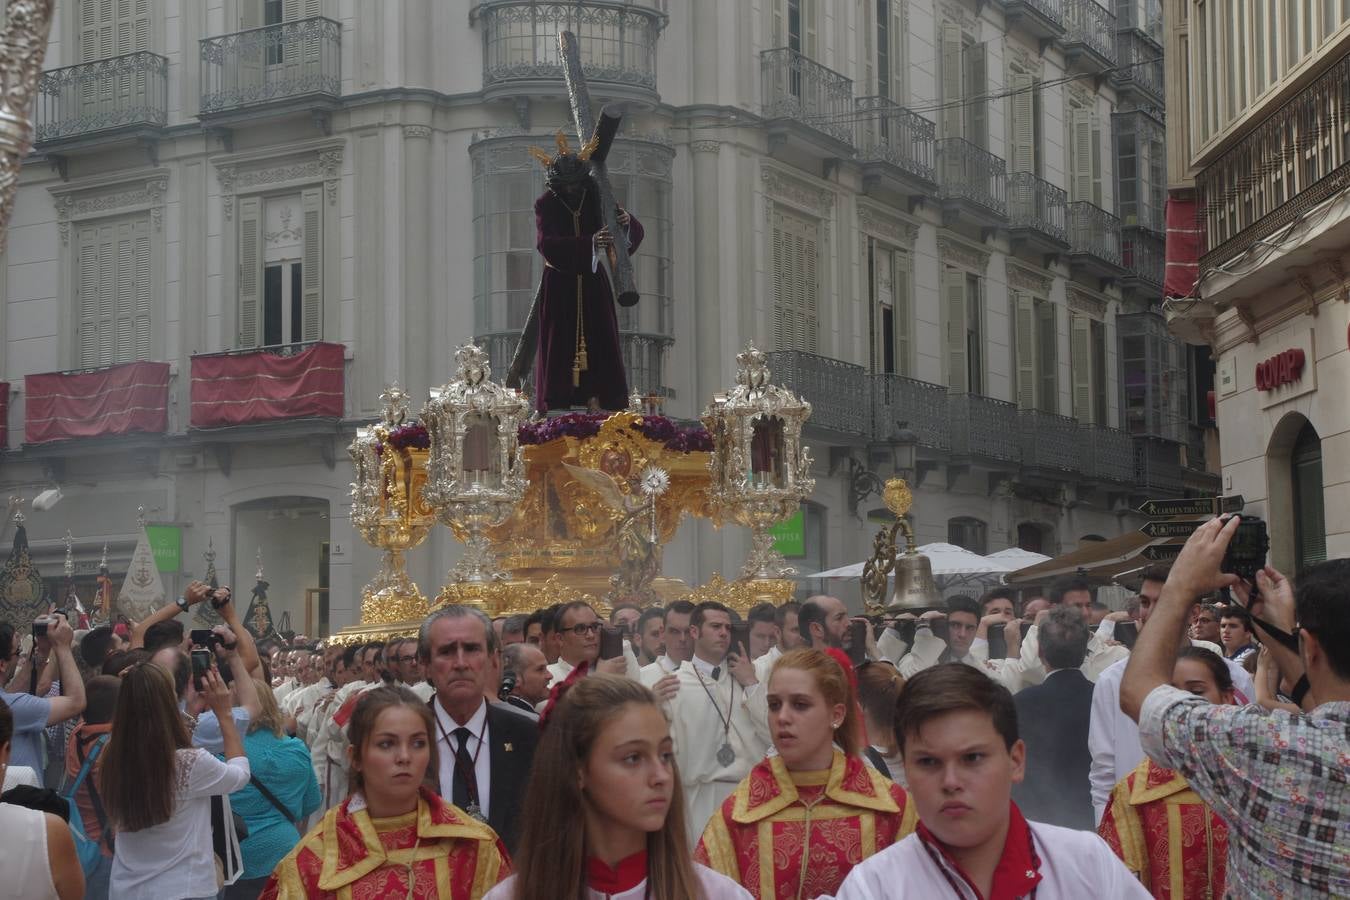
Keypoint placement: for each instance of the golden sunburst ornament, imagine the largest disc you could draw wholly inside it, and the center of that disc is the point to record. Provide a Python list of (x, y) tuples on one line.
[(897, 497)]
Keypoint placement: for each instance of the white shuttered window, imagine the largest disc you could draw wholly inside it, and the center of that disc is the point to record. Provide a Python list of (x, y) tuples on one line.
[(280, 300), (113, 291), (1035, 334), (1087, 365), (796, 282), (1085, 156), (892, 312), (963, 328)]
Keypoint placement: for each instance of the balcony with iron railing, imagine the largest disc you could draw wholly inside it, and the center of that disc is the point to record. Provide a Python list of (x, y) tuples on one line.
[(921, 406), (1089, 35), (1143, 253), (800, 91), (1037, 212), (1296, 158), (126, 94), (1041, 19), (895, 146), (1157, 466), (1108, 454), (617, 39), (1140, 67), (836, 390), (984, 427), (972, 179), (644, 355), (1049, 442), (276, 65), (1146, 17), (1094, 239)]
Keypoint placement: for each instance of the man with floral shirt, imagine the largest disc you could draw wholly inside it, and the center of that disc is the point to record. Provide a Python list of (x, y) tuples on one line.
[(1277, 779)]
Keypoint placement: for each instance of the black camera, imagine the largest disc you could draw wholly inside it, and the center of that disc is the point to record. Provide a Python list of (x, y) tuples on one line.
[(205, 638), (507, 686), (1246, 554)]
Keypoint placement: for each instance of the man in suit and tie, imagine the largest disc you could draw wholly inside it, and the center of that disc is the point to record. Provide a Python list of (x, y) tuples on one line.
[(1053, 720), (485, 751)]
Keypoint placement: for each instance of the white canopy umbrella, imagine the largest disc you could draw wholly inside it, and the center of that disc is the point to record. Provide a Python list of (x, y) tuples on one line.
[(1016, 558), (947, 560)]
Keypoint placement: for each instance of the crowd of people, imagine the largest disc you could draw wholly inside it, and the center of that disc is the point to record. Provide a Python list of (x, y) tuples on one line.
[(1007, 746)]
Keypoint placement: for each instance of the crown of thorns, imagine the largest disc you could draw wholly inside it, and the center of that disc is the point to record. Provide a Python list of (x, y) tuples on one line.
[(565, 165)]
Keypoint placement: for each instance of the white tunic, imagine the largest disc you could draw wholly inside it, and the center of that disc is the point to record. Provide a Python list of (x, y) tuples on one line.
[(715, 887), (1075, 865), (698, 726), (559, 670), (651, 673)]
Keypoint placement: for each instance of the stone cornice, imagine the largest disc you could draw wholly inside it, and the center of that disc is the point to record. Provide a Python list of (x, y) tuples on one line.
[(92, 197), (1086, 302), (782, 187), (1026, 279), (958, 253), (879, 223), (243, 173)]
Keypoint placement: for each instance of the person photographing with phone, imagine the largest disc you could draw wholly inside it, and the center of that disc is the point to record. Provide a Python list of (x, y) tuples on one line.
[(32, 714), (1276, 778)]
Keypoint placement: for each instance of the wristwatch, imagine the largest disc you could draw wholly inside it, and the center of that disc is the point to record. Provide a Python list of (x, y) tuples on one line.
[(182, 603)]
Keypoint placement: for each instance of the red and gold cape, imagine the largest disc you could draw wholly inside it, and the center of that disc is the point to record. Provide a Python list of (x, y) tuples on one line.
[(350, 856), (1166, 835), (798, 834)]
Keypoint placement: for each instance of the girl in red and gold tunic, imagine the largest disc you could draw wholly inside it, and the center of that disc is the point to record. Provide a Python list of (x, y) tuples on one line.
[(1166, 835), (393, 837), (802, 819)]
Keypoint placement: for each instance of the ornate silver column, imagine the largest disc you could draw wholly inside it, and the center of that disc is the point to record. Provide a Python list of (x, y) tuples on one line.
[(23, 44)]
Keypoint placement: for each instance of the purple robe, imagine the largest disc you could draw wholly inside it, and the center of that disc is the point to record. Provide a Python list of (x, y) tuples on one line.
[(567, 256)]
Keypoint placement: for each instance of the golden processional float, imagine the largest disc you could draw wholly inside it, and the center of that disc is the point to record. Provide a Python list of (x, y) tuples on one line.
[(574, 507)]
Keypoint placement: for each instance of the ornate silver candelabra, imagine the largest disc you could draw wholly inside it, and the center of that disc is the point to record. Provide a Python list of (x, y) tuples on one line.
[(23, 43)]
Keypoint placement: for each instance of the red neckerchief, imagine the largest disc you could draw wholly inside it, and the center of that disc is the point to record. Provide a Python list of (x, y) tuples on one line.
[(627, 875), (1019, 868)]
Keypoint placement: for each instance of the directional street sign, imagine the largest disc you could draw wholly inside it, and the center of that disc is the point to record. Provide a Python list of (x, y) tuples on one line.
[(1170, 529), (1161, 553), (1192, 506)]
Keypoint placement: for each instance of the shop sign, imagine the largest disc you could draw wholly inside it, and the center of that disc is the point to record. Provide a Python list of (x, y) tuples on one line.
[(1281, 369)]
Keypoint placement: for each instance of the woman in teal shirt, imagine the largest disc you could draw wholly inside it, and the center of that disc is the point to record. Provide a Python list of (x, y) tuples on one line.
[(282, 766)]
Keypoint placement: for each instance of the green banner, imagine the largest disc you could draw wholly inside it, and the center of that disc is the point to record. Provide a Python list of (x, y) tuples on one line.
[(789, 536), (166, 542)]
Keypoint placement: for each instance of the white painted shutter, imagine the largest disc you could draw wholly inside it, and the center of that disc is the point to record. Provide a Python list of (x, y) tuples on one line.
[(92, 297), (904, 315), (114, 291), (250, 271), (810, 44), (1047, 357), (1096, 158), (134, 253), (796, 252), (1024, 350), (780, 35), (1080, 155), (954, 304), (899, 56), (1080, 364), (951, 80), (1022, 127), (111, 28), (977, 86), (311, 273)]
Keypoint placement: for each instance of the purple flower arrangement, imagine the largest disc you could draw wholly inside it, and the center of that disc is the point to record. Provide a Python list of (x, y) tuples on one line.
[(669, 433), (410, 436)]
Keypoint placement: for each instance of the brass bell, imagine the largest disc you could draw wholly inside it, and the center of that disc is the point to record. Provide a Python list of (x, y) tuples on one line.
[(915, 589)]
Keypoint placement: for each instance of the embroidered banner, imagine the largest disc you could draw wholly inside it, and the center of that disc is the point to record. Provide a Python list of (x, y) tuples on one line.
[(1183, 249), (122, 399), (237, 388)]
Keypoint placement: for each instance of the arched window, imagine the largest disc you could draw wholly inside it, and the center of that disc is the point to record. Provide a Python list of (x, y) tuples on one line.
[(968, 532), (1310, 532)]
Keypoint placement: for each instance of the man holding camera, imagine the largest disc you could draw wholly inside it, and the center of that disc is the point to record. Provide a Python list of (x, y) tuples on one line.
[(33, 714), (1276, 778)]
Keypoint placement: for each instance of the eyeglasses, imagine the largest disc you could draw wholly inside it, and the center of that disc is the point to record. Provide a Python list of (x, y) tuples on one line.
[(582, 629), (411, 657)]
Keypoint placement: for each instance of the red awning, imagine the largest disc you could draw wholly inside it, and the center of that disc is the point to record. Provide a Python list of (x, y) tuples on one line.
[(262, 386), (1184, 233), (122, 399)]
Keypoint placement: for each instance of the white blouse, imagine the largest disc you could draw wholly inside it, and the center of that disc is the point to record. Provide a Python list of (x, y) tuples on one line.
[(716, 886), (175, 858), (25, 870)]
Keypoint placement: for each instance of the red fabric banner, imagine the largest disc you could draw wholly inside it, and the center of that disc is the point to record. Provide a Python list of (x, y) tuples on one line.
[(122, 399), (235, 389), (1183, 249), (4, 415)]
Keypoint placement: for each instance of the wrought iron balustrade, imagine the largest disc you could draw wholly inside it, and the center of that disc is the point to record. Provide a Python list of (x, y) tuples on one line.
[(1144, 254), (1049, 441), (1037, 204), (1147, 18), (1109, 454), (1140, 64), (1091, 26), (1052, 10), (617, 40), (981, 426), (799, 88), (836, 390), (967, 172), (644, 359), (118, 92), (923, 407), (1095, 232), (1157, 465), (1296, 158), (276, 62), (889, 133)]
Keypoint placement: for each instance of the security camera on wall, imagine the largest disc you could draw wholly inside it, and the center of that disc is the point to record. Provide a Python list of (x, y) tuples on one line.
[(47, 499)]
